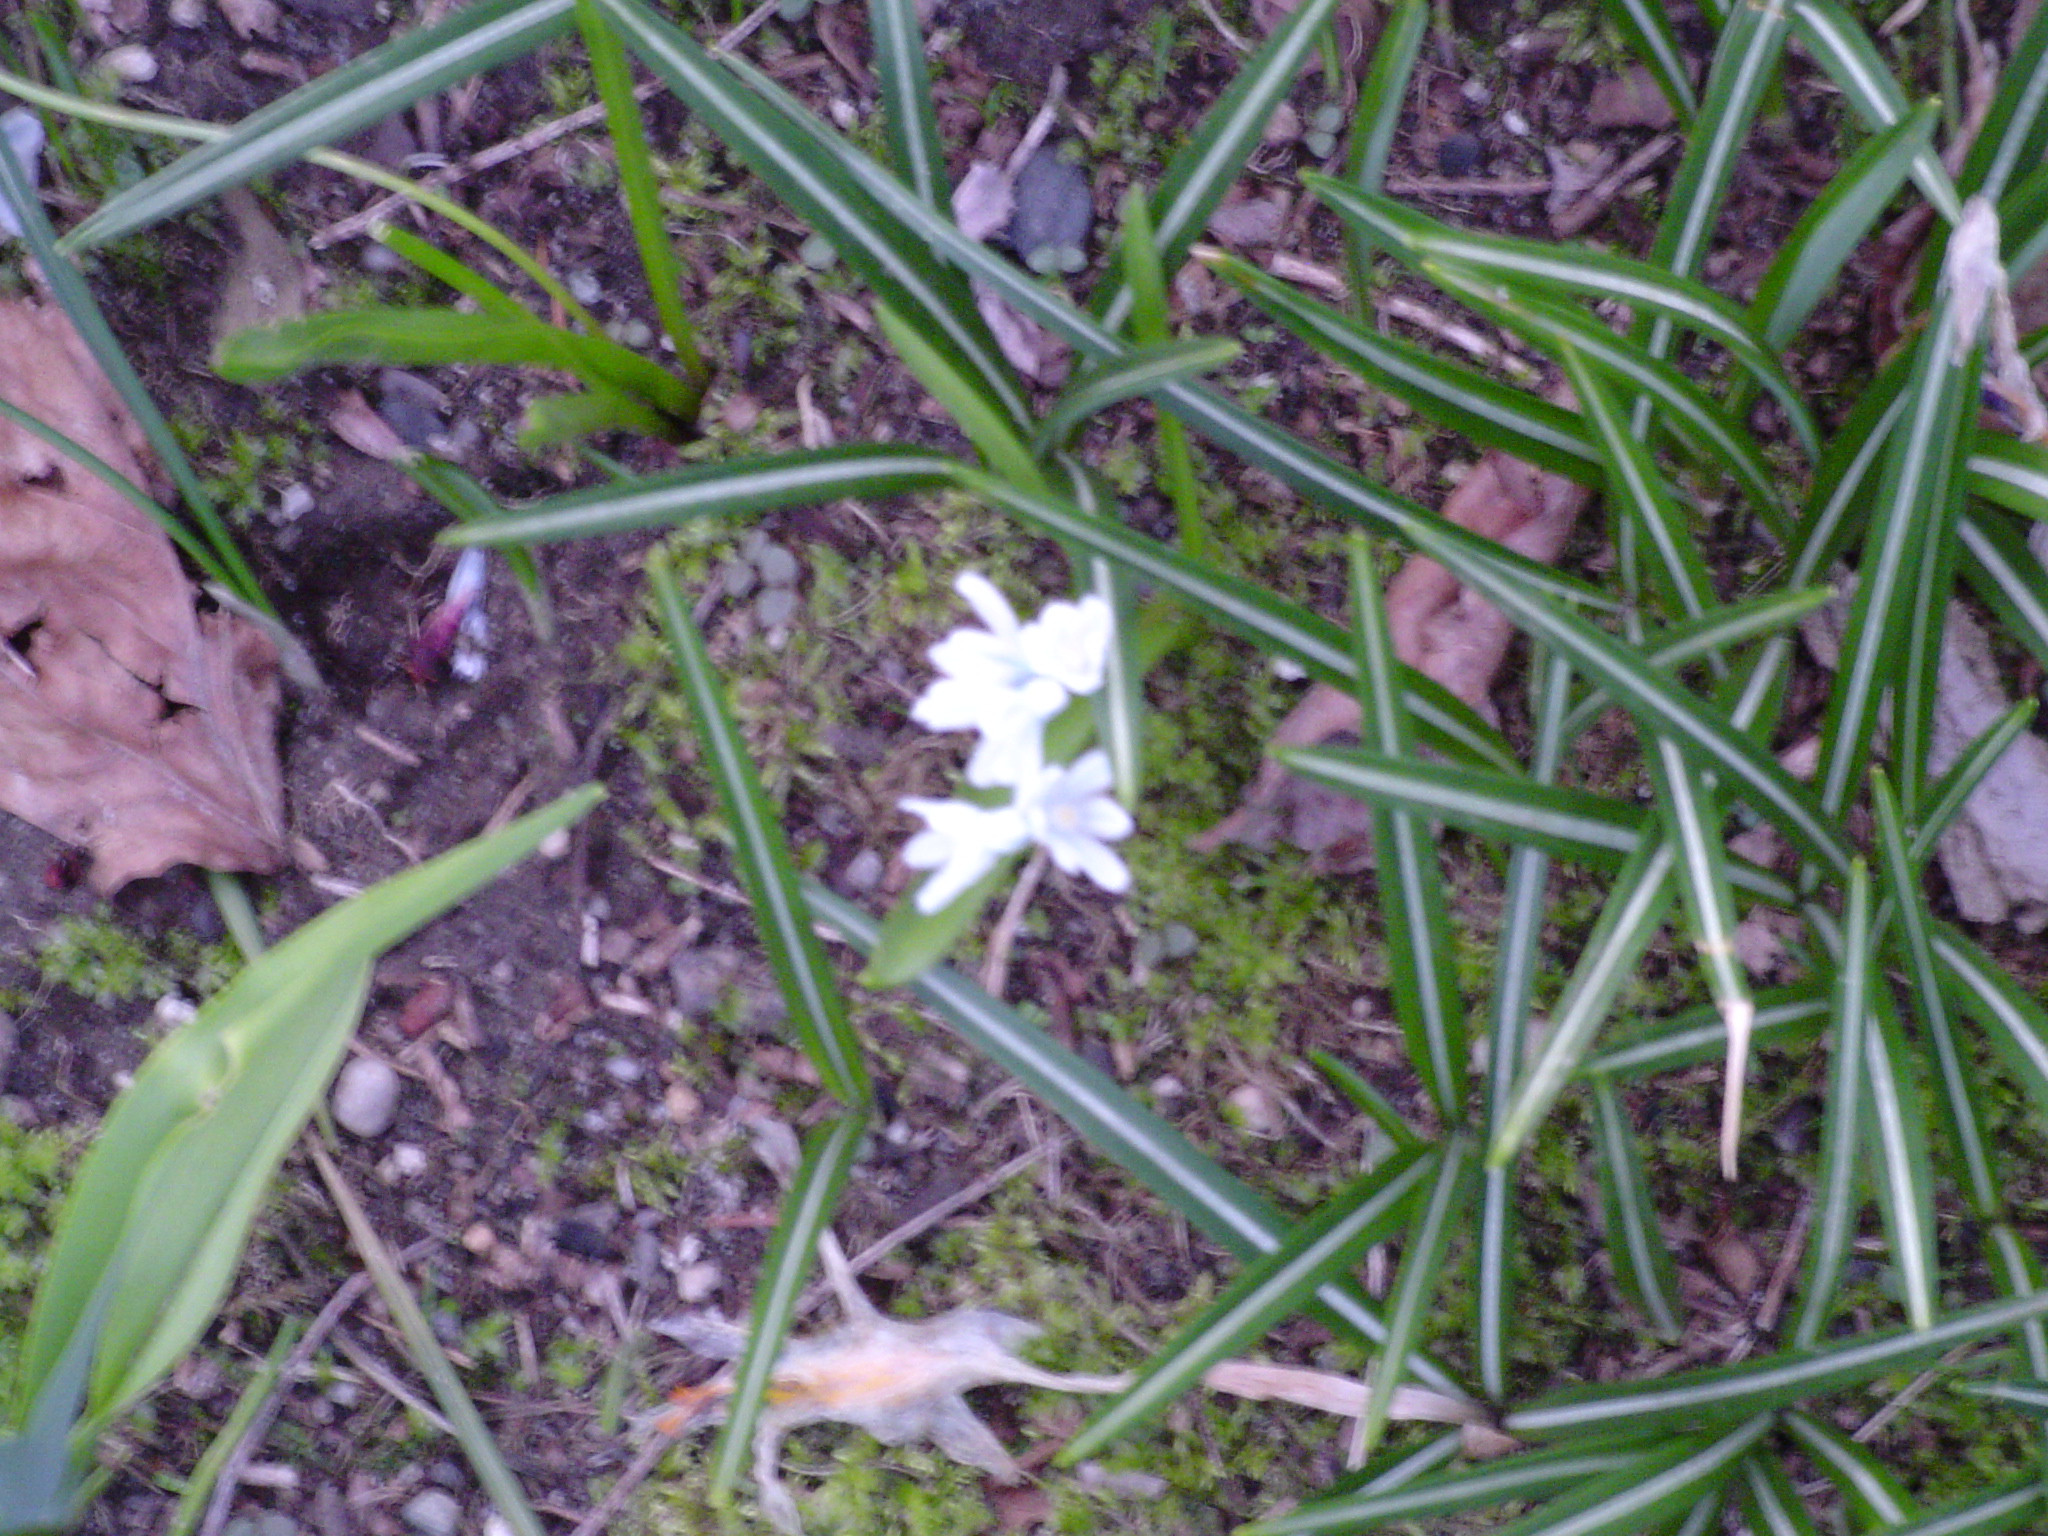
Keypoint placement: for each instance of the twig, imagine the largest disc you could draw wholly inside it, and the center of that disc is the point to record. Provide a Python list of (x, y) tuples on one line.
[(1871, 1427), (385, 1381), (1575, 219), (599, 1520), (1466, 186), (1781, 1277), (995, 970), (1236, 39)]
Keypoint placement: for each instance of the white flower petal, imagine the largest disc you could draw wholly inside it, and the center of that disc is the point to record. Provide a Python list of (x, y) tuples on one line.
[(989, 605), (1069, 642), (961, 843)]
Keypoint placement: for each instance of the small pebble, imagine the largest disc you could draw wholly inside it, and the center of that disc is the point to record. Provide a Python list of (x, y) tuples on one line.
[(294, 502), (696, 1282), (1515, 123), (131, 62), (433, 1512), (1055, 206), (776, 565), (555, 845), (1256, 1110), (817, 253), (405, 1161), (637, 334), (775, 607), (1179, 940), (863, 870), (584, 287), (188, 13), (173, 1012), (381, 260), (624, 1069), (366, 1097), (1459, 155), (274, 1522), (739, 578)]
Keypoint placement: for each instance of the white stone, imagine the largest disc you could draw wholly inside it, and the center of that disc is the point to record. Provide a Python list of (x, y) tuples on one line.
[(366, 1097)]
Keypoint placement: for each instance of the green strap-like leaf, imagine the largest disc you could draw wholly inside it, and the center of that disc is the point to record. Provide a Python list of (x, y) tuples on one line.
[(1895, 1136), (1664, 1484), (1532, 1475), (1376, 119), (1142, 371), (1787, 1018), (2014, 134), (1866, 1483), (1635, 1241), (915, 147), (806, 1215), (809, 986), (1647, 27), (384, 81), (1844, 50), (1117, 1127), (1272, 1287), (1771, 1501)]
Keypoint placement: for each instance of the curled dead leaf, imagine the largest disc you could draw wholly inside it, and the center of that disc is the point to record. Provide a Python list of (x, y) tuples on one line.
[(130, 723)]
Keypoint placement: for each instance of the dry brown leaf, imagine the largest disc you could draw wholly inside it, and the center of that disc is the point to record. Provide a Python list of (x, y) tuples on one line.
[(1631, 99), (1439, 627), (357, 423), (129, 722)]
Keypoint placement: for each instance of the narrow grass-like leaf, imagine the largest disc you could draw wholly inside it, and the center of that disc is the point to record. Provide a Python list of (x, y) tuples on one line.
[(1376, 118), (640, 192), (1787, 1018), (1413, 914), (817, 1009), (1400, 1469), (2003, 572), (250, 1402), (1772, 1504), (806, 166), (1561, 329), (1896, 1136), (1834, 226), (2013, 1021), (551, 419), (1537, 268), (915, 148), (1269, 621), (1577, 825), (2030, 1395), (1348, 1081), (1491, 413), (807, 1209), (459, 275), (2010, 473), (1117, 1127), (1666, 1482), (1635, 1242), (1836, 1200), (2018, 1504), (911, 942), (1917, 487), (1272, 1287), (1635, 909), (1692, 820), (2014, 133), (1844, 50), (735, 488), (1518, 960), (1151, 324), (1693, 1400), (1145, 369), (213, 548), (1647, 27), (1867, 1486), (1514, 1480), (1638, 496), (1837, 502), (1659, 705), (1438, 1210), (996, 436), (2017, 1269), (384, 81), (185, 1157), (1913, 924), (1214, 156), (1947, 796), (1119, 704), (429, 1357)]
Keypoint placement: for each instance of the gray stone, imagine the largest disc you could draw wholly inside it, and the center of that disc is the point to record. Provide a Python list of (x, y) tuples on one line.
[(1055, 205), (366, 1097), (433, 1512)]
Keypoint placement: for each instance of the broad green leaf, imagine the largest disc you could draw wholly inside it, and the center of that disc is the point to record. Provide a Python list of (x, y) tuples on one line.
[(1834, 226), (1690, 1401), (401, 337), (1912, 925), (829, 1152), (1413, 913), (1117, 1127), (1647, 27), (1214, 156), (1916, 498), (185, 1157), (1866, 1484), (1635, 1241), (384, 81), (1787, 1018), (1851, 60), (805, 164), (1530, 1475), (1491, 413), (809, 987), (1635, 909), (1664, 1484), (1322, 1248), (1438, 1211), (1140, 372), (551, 419), (734, 488), (1538, 269), (1836, 1203)]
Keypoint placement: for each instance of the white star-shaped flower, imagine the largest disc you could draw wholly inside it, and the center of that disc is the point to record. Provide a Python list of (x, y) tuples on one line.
[(961, 842), (1067, 808)]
